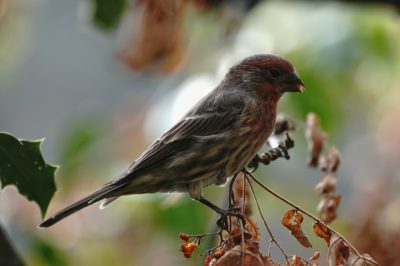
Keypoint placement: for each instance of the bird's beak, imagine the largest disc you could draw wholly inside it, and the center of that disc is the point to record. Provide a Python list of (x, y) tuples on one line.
[(293, 83)]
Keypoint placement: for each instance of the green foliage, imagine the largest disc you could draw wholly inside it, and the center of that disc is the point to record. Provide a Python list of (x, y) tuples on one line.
[(107, 13), (75, 149), (376, 34), (320, 97), (78, 141), (22, 165), (47, 254), (188, 216)]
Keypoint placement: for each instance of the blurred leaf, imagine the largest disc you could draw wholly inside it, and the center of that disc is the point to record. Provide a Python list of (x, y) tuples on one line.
[(338, 252), (78, 141), (377, 35), (75, 152), (107, 13), (47, 254), (187, 217), (158, 44), (292, 220), (22, 165), (322, 231), (318, 97)]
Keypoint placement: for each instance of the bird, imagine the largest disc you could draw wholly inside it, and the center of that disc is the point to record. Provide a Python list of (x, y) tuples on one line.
[(213, 141)]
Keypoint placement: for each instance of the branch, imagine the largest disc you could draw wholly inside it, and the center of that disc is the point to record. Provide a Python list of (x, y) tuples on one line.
[(303, 211)]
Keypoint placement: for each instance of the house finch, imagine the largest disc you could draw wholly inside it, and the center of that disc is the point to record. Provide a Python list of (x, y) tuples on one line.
[(216, 139)]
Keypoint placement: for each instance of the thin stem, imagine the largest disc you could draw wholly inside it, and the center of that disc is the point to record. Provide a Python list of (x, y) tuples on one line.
[(364, 258), (273, 240), (203, 235), (304, 212), (270, 247), (209, 251), (241, 221)]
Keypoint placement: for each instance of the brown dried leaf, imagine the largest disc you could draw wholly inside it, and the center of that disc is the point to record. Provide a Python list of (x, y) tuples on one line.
[(252, 228), (269, 262), (235, 237), (363, 260), (315, 138), (159, 38), (338, 252), (301, 237), (4, 6), (234, 257), (238, 187), (315, 256), (327, 207), (323, 232), (297, 261), (292, 220), (288, 217), (327, 184), (323, 163), (333, 158)]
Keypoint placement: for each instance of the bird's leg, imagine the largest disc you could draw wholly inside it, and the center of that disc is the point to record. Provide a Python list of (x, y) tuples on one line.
[(222, 222), (231, 196)]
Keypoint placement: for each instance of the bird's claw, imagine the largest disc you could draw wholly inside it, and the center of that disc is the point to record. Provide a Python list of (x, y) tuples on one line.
[(253, 164), (222, 221)]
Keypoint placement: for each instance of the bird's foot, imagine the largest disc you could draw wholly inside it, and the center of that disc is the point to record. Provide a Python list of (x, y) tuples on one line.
[(253, 164), (222, 221)]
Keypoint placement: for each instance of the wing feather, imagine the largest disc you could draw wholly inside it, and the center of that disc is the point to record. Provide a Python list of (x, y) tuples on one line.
[(210, 117)]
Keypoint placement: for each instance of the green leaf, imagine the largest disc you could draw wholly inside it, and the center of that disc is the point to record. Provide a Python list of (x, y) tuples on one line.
[(46, 253), (187, 217), (107, 13), (22, 165)]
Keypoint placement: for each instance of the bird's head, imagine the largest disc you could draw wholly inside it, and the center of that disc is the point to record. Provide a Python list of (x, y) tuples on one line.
[(268, 74)]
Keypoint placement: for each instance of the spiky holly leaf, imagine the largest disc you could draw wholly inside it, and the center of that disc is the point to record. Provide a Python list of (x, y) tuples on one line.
[(22, 165)]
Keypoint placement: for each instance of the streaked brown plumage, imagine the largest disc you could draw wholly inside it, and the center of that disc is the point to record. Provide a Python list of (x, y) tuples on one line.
[(214, 140)]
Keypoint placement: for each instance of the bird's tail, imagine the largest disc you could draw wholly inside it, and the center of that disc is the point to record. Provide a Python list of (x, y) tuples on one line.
[(108, 191)]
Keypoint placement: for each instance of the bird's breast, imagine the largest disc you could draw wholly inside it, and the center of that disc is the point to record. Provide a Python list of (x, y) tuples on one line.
[(250, 136)]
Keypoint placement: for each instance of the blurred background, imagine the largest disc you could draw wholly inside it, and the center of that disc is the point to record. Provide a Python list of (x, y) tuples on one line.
[(100, 80)]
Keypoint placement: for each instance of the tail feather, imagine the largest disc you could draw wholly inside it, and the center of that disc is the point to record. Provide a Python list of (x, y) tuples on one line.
[(107, 201), (103, 193)]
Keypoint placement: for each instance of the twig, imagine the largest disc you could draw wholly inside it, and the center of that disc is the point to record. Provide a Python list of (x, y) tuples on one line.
[(279, 152), (241, 221), (273, 240), (304, 212)]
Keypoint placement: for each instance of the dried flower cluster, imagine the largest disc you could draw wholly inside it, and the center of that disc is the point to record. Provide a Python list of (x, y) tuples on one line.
[(327, 164)]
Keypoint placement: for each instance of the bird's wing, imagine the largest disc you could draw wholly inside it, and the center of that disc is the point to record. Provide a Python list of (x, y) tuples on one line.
[(212, 116)]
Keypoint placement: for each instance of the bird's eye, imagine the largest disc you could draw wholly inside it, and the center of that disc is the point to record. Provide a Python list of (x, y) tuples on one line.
[(274, 73)]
